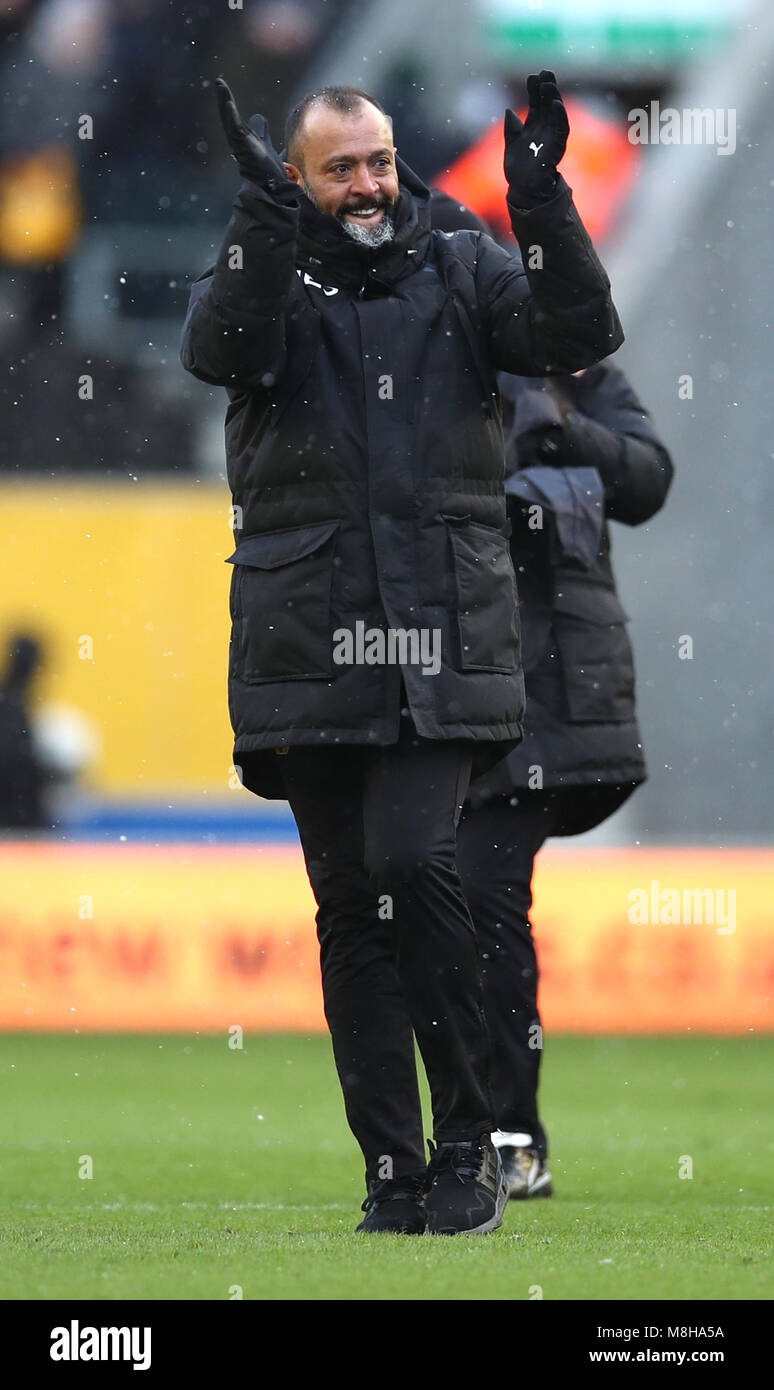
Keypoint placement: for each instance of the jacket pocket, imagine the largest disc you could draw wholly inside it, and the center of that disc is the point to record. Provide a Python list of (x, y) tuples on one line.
[(281, 604), (487, 600), (596, 656)]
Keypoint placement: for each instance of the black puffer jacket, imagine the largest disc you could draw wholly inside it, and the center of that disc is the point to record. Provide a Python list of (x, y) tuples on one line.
[(365, 458), (580, 726)]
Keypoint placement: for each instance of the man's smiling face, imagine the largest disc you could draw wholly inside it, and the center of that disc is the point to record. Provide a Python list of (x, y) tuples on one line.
[(347, 167)]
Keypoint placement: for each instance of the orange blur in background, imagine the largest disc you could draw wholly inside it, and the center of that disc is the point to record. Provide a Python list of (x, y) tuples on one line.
[(600, 165)]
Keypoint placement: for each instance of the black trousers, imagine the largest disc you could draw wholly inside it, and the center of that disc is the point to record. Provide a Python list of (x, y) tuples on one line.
[(496, 849), (398, 949)]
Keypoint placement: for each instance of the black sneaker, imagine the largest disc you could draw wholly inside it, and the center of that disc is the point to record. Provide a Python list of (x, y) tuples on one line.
[(526, 1173), (465, 1191), (396, 1206)]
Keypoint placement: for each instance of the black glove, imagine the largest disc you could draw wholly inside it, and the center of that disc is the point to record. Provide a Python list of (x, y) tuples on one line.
[(251, 147), (533, 149), (546, 446)]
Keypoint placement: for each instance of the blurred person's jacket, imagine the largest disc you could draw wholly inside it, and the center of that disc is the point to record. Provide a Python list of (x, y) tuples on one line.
[(575, 446), (580, 450)]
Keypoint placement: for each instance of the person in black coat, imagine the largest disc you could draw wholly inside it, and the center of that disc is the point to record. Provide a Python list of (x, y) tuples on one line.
[(581, 451), (360, 349)]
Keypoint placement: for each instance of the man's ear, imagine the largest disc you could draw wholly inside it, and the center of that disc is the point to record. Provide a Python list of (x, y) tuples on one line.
[(293, 173)]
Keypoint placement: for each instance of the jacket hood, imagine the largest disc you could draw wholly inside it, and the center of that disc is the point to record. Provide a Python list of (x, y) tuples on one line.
[(328, 250)]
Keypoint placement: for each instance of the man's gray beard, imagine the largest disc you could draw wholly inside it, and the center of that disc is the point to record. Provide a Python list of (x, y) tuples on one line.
[(367, 236), (371, 236)]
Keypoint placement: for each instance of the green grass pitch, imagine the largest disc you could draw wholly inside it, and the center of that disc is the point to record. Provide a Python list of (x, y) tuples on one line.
[(217, 1170)]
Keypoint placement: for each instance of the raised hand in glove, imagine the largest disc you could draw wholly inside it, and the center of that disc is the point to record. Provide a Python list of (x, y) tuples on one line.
[(251, 147), (533, 148)]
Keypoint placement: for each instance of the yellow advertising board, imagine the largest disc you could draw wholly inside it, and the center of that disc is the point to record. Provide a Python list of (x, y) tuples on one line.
[(128, 594), (200, 937)]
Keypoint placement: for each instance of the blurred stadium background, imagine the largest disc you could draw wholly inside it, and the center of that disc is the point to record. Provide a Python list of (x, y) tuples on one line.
[(148, 889)]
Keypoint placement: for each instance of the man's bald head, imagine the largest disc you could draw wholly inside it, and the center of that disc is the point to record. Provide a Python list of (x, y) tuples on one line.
[(344, 100), (340, 150)]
